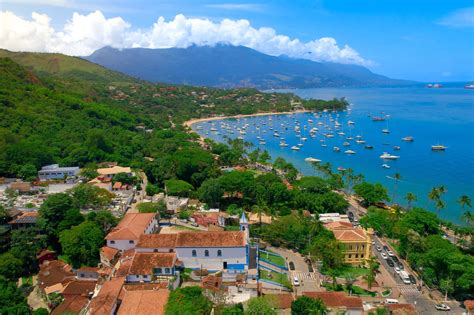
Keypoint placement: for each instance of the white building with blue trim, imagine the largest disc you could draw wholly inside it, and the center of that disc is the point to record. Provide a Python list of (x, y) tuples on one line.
[(217, 250)]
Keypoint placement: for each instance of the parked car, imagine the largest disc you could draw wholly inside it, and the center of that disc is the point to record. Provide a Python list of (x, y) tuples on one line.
[(384, 256), (296, 282), (390, 253), (397, 270), (400, 265), (292, 265), (395, 259), (385, 248), (350, 214), (412, 279), (391, 301), (390, 262), (379, 249), (442, 307), (373, 242), (194, 224)]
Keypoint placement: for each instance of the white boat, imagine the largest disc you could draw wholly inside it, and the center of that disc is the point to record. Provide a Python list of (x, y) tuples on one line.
[(350, 122), (262, 142), (438, 147), (387, 156), (385, 166), (341, 133), (349, 138), (385, 130), (408, 139), (349, 152), (336, 149), (198, 127), (346, 144), (312, 160), (304, 139), (360, 141), (240, 138), (296, 148), (213, 129), (324, 145), (300, 144)]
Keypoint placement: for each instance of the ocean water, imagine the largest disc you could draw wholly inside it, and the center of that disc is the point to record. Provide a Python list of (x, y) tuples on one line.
[(432, 116)]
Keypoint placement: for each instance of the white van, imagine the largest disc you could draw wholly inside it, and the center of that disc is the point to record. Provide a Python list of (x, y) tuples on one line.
[(405, 277), (391, 301)]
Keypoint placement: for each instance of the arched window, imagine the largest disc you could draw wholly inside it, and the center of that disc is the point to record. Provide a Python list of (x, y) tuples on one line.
[(194, 253), (206, 253), (219, 253)]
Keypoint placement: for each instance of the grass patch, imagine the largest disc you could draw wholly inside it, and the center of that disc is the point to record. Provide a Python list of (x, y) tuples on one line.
[(350, 270), (356, 290), (273, 258), (281, 278)]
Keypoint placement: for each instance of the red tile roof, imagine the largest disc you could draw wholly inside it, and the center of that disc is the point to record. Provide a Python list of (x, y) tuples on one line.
[(283, 300), (402, 309), (350, 235), (469, 304), (143, 263), (104, 302), (82, 288), (71, 305), (54, 272), (336, 299), (144, 302), (131, 227), (157, 241), (194, 239), (338, 225), (109, 253)]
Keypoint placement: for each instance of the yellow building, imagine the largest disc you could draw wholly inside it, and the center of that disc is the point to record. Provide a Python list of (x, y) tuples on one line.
[(357, 242)]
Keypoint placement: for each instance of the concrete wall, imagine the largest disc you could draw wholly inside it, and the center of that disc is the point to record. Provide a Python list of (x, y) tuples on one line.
[(236, 258), (121, 244)]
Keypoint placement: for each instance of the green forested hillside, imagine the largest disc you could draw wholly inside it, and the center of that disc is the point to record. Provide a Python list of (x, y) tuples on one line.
[(40, 124), (63, 66), (70, 118)]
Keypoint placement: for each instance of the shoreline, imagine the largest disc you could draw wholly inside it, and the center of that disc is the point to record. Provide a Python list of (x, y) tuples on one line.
[(191, 122)]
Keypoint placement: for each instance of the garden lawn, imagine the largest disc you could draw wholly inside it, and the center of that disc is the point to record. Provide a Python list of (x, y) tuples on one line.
[(356, 290), (273, 258), (281, 278), (350, 270)]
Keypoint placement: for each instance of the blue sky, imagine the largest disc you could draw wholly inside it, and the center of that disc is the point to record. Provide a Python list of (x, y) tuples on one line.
[(419, 40)]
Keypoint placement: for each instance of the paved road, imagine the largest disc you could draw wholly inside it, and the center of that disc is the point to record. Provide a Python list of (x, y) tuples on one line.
[(309, 281)]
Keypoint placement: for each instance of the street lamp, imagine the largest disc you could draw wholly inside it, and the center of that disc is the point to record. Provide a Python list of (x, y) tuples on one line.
[(421, 278)]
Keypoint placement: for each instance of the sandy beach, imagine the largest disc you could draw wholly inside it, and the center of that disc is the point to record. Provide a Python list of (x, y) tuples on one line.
[(191, 122)]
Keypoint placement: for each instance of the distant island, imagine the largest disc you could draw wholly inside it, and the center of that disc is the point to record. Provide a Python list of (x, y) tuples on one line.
[(227, 66)]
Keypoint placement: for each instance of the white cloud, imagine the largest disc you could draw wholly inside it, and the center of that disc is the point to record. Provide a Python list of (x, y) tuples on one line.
[(236, 6), (83, 34), (459, 18)]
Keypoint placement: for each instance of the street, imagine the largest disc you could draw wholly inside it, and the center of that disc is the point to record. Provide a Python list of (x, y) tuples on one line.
[(391, 279)]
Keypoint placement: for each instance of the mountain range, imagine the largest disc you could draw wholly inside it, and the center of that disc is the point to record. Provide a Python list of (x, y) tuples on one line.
[(229, 66)]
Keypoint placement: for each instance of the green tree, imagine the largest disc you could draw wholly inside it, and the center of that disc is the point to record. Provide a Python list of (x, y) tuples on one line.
[(104, 219), (176, 187), (151, 189), (211, 192), (349, 280), (264, 157), (28, 172), (410, 197), (188, 300), (87, 196), (447, 286), (371, 193), (89, 172), (374, 266), (304, 305), (124, 178), (52, 212), (12, 300), (81, 244), (9, 266), (397, 177), (261, 306)]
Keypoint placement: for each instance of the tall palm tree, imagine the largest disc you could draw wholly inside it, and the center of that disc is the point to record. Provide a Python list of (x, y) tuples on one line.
[(433, 195), (465, 201), (397, 178), (440, 205), (410, 197), (350, 279), (468, 217), (374, 266)]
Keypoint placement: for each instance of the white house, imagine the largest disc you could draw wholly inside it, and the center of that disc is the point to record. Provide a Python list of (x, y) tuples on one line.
[(212, 250), (53, 171), (127, 233)]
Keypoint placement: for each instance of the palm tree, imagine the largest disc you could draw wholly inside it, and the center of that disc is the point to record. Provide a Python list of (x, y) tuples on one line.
[(433, 195), (350, 279), (410, 197), (465, 201), (373, 270), (397, 177), (468, 217), (440, 205)]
